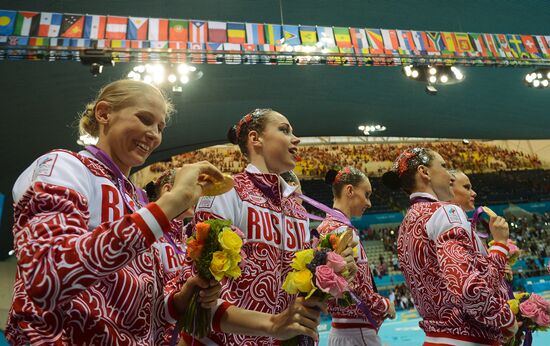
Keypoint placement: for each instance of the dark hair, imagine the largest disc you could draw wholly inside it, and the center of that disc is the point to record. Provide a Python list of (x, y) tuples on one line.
[(154, 187), (346, 176), (254, 121), (290, 177), (403, 172)]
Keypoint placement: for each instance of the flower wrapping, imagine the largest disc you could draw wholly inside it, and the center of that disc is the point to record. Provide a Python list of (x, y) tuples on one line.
[(216, 251)]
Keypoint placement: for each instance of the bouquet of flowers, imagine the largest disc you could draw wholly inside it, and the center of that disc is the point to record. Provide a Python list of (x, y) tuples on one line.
[(319, 272), (514, 252), (215, 249), (534, 313)]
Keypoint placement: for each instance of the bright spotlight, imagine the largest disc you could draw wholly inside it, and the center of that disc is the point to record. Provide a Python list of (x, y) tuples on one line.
[(414, 74), (432, 79), (444, 78), (184, 79), (432, 71), (172, 78)]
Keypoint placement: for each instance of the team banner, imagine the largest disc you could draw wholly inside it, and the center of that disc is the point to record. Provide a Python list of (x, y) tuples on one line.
[(254, 42)]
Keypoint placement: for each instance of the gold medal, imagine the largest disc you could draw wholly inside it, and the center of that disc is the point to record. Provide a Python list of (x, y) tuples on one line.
[(213, 187)]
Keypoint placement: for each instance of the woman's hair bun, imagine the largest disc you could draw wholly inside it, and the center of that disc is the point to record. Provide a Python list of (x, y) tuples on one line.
[(391, 180), (331, 176), (150, 189), (232, 135)]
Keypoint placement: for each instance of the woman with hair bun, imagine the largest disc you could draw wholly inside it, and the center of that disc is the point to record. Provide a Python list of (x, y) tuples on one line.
[(351, 191), (454, 286), (263, 206)]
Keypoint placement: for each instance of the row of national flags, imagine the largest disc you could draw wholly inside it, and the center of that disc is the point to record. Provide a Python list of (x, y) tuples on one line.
[(63, 30)]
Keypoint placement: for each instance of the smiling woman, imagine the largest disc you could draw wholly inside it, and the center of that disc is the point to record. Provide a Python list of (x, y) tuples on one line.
[(84, 229)]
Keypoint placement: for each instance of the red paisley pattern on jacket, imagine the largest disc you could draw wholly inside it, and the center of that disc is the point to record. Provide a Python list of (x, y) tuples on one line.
[(77, 285), (456, 289), (362, 284), (269, 250)]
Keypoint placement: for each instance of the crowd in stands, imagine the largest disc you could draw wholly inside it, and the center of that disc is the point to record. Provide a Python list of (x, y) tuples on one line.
[(315, 160), (401, 297)]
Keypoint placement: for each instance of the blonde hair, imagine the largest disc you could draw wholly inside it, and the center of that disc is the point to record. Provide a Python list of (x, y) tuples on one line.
[(119, 94)]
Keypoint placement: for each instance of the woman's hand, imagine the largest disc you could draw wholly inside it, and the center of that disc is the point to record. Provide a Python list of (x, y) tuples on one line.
[(301, 318), (187, 188), (208, 295), (347, 254), (499, 229), (391, 311)]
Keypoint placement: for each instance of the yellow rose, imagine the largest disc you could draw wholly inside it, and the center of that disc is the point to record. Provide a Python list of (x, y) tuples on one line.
[(234, 270), (219, 265), (301, 259), (514, 306), (230, 241)]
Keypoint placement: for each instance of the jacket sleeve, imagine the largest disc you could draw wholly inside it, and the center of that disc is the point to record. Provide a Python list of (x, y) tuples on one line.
[(469, 275), (58, 256)]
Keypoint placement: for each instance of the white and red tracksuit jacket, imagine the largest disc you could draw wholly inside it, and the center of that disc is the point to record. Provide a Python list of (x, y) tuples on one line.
[(274, 230), (88, 272), (456, 289), (351, 316)]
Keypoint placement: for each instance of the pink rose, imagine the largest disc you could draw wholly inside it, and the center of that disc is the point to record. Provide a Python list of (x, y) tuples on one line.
[(327, 281), (512, 248), (335, 262), (529, 309), (542, 319), (540, 301)]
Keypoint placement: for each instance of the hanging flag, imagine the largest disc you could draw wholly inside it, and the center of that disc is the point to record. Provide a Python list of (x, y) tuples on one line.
[(94, 27), (503, 45), (359, 40), (116, 27), (530, 45), (463, 42), (273, 34), (406, 41), (255, 33), (118, 43), (478, 44), (376, 42), (517, 47), (7, 22), (231, 47), (39, 41), (308, 35), (544, 45), (198, 31), (391, 42), (450, 43), (80, 42), (341, 35), (217, 32), (196, 58), (60, 42), (18, 41), (436, 40), (72, 26), (158, 44), (140, 44), (178, 30), (26, 24), (492, 46), (291, 35), (177, 45), (326, 36), (137, 28), (250, 58), (50, 24), (158, 29), (100, 43), (236, 33)]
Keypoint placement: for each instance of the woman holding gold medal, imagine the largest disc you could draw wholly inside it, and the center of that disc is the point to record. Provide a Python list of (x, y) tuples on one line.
[(454, 286), (88, 245)]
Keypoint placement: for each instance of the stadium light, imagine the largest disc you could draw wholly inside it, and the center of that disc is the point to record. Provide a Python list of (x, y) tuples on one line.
[(540, 78), (434, 75), (160, 74), (369, 129)]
